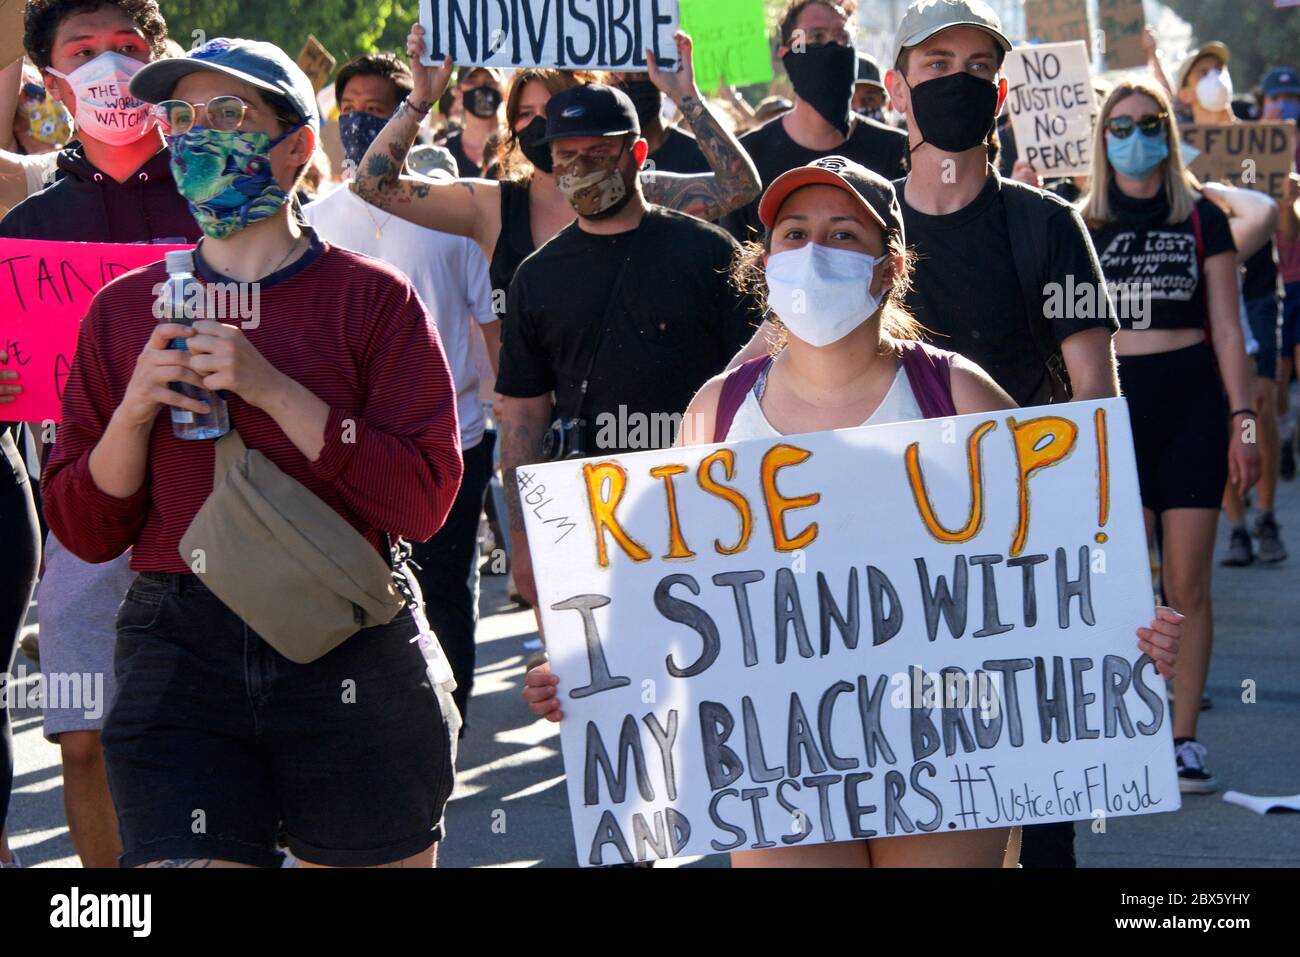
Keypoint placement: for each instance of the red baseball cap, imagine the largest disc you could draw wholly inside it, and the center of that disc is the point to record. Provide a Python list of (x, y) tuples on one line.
[(874, 193)]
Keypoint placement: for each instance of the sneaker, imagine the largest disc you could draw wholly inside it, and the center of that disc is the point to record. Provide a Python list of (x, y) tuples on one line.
[(1288, 459), (1240, 552), (1271, 548), (1193, 778)]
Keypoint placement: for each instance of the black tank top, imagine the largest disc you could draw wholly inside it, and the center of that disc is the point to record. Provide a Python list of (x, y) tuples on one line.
[(515, 243)]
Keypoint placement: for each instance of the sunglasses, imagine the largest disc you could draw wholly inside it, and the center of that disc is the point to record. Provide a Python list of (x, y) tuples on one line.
[(224, 113), (1122, 127)]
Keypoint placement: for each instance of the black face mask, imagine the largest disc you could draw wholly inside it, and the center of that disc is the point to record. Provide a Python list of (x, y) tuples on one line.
[(539, 154), (824, 76), (954, 113), (647, 99), (483, 101)]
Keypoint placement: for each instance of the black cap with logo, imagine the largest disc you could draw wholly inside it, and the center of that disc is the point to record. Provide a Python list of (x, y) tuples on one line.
[(592, 109)]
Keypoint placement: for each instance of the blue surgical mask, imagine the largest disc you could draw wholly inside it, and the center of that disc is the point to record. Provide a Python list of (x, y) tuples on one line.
[(1137, 154), (358, 130), (1289, 110)]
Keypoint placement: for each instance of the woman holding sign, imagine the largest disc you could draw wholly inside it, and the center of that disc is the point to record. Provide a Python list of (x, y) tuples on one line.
[(511, 218), (834, 269), (1168, 254)]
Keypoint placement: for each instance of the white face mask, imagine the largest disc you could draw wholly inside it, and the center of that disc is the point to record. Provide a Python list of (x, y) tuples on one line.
[(1214, 91), (822, 294), (106, 110)]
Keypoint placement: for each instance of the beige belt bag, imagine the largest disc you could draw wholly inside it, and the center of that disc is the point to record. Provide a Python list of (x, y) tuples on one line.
[(284, 561)]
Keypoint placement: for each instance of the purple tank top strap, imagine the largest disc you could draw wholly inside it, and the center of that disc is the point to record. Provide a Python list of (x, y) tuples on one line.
[(734, 389), (929, 371)]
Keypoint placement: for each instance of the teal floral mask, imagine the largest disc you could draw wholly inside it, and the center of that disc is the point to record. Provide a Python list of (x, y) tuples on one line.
[(226, 178)]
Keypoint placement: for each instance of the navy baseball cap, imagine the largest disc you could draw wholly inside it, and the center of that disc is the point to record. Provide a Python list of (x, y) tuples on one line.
[(1282, 80), (260, 64), (872, 191), (591, 109)]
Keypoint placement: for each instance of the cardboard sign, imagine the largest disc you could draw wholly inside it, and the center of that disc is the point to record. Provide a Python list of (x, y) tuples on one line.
[(1122, 23), (1052, 107), (1057, 21), (1258, 155), (563, 34), (731, 41), (45, 290), (900, 629), (316, 62), (11, 31)]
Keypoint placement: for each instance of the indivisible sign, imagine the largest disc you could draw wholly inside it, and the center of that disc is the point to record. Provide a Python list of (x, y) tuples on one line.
[(902, 629), (45, 290), (1258, 155), (563, 34), (1052, 106)]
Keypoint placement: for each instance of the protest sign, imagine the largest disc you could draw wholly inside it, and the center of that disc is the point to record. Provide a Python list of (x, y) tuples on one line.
[(898, 629), (45, 290), (730, 41), (1057, 21), (1121, 23), (565, 34), (1258, 155), (1052, 107), (316, 62), (11, 31)]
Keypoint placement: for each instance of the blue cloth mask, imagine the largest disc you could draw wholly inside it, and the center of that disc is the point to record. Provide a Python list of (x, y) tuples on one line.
[(226, 178), (358, 130), (1289, 110), (1137, 154)]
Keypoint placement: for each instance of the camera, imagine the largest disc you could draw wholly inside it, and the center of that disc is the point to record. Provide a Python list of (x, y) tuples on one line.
[(564, 440)]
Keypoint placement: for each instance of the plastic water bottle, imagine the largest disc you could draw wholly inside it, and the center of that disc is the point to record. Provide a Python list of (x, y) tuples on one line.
[(184, 304)]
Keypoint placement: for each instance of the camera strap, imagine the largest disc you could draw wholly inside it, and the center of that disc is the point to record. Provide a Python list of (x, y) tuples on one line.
[(608, 318)]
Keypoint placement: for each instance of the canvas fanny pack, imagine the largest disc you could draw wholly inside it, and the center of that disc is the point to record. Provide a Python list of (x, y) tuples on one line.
[(283, 560)]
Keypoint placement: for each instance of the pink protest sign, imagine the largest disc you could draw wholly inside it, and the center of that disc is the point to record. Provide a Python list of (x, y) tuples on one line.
[(45, 290)]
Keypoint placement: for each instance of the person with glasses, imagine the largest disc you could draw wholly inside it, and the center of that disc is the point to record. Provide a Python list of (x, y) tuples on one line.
[(1168, 253)]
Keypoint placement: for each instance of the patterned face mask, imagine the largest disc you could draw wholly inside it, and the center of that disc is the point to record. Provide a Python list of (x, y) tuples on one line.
[(593, 185), (48, 120), (226, 178)]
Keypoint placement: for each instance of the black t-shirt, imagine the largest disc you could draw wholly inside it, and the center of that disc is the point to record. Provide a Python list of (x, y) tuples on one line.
[(874, 145), (679, 154), (467, 169), (678, 322), (967, 293), (1138, 245), (515, 244), (1261, 279)]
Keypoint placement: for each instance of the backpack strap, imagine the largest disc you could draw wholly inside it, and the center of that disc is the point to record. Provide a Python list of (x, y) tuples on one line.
[(734, 389), (929, 372)]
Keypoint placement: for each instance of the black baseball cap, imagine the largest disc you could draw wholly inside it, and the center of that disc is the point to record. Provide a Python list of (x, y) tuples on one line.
[(870, 189), (591, 109), (868, 72)]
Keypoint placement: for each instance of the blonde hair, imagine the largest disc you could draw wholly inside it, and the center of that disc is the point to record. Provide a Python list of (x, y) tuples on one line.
[(1181, 187)]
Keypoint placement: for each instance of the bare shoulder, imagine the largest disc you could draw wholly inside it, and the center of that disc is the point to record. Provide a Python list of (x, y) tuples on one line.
[(702, 414), (973, 389)]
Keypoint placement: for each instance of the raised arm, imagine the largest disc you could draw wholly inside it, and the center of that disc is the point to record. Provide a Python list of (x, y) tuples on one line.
[(1252, 216), (734, 181), (470, 207)]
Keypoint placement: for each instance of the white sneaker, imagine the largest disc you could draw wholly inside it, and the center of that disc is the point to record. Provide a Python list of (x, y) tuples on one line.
[(1193, 778)]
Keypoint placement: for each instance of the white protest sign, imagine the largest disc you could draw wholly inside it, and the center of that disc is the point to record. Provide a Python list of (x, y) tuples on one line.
[(891, 630), (1052, 107), (565, 34)]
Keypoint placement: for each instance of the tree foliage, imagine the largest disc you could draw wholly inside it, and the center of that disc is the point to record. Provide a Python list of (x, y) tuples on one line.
[(1259, 35)]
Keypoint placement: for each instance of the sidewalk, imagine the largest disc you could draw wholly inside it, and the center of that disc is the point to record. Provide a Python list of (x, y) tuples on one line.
[(510, 807)]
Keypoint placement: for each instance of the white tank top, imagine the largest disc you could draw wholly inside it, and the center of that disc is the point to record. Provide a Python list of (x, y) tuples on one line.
[(898, 405)]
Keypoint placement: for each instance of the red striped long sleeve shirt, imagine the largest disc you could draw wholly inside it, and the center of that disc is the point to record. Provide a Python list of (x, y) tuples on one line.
[(351, 330)]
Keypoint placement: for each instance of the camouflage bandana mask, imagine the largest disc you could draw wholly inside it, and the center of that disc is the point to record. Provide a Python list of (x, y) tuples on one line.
[(225, 176), (593, 185)]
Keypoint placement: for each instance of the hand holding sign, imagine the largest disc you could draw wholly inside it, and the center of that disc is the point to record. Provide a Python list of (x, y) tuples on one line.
[(681, 84), (9, 388), (429, 82)]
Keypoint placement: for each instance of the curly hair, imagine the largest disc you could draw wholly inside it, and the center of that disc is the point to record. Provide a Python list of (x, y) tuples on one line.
[(42, 18)]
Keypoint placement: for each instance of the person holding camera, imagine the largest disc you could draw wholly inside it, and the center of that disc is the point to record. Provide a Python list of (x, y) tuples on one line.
[(621, 317)]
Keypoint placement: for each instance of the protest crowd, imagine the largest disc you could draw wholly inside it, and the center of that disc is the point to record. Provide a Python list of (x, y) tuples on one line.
[(256, 496)]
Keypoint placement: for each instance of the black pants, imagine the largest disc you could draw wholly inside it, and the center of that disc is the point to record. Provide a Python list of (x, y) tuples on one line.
[(1048, 845), (20, 558), (448, 571)]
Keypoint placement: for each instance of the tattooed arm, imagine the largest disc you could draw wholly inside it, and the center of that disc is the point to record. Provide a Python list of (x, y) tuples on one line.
[(464, 207), (734, 181), (523, 424)]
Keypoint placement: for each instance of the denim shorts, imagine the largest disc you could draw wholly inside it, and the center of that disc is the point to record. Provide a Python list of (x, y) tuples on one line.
[(1265, 316), (216, 744)]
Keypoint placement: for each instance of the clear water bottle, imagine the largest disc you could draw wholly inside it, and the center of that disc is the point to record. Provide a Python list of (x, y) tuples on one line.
[(184, 304)]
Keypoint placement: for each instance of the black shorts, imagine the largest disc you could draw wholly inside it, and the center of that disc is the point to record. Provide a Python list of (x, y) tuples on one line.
[(217, 744), (1180, 427)]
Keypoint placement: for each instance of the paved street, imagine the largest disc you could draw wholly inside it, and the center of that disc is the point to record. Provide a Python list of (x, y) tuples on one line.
[(510, 807)]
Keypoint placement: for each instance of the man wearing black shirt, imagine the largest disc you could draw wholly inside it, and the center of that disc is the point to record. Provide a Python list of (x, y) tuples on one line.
[(818, 54), (622, 316)]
